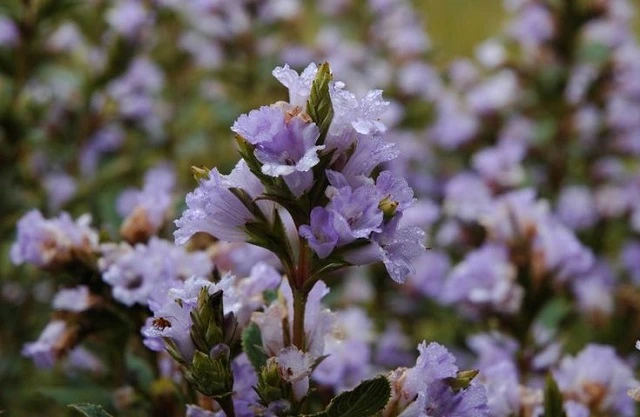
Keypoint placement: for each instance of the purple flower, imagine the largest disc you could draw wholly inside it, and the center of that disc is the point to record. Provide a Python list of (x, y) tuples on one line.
[(145, 273), (152, 202), (467, 197), (484, 280), (136, 89), (502, 387), (60, 188), (440, 400), (560, 251), (423, 390), (492, 348), (501, 164), (398, 247), (172, 318), (81, 359), (46, 350), (395, 189), (105, 140), (195, 411), (50, 243), (9, 33), (577, 207), (368, 154), (394, 348), (532, 26), (356, 212), (629, 258), (454, 125), (494, 94), (127, 17), (598, 378), (321, 234), (434, 363), (294, 366), (212, 208), (73, 299), (348, 350), (245, 399), (284, 147), (432, 268), (299, 85), (595, 290), (353, 116)]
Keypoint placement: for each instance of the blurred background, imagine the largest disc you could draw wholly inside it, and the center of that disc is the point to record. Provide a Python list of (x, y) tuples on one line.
[(95, 93)]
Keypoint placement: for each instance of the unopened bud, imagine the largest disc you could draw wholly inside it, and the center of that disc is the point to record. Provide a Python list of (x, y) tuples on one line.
[(462, 379), (200, 173)]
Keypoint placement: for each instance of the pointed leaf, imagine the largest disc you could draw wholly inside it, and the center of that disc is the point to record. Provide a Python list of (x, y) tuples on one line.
[(553, 403), (252, 346)]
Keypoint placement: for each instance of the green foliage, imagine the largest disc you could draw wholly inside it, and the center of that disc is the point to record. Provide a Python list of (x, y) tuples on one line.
[(553, 404), (90, 410), (208, 321), (462, 380), (252, 346), (211, 376), (270, 386), (364, 400), (319, 105)]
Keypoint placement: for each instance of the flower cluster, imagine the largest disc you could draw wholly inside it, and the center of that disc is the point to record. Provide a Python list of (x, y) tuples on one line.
[(520, 163)]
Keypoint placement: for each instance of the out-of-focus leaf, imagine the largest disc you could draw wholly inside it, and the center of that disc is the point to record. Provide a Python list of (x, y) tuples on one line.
[(141, 370), (68, 395), (90, 410), (553, 404), (553, 313)]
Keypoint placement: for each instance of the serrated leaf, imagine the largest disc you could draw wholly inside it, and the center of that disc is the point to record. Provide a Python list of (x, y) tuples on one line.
[(319, 106), (252, 346), (553, 403), (90, 410), (363, 401)]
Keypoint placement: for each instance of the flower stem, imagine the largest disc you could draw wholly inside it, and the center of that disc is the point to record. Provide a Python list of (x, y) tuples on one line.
[(299, 302), (226, 403), (300, 295)]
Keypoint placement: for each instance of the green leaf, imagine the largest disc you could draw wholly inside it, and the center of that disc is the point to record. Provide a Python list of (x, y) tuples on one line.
[(140, 370), (553, 404), (553, 313), (595, 53), (71, 394), (90, 410), (363, 401), (252, 346), (319, 105)]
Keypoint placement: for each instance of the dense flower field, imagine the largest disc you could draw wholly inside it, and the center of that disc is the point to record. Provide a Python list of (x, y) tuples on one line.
[(281, 208)]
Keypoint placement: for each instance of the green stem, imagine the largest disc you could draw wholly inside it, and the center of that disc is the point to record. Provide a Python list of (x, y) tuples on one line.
[(226, 403), (300, 293), (299, 302)]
